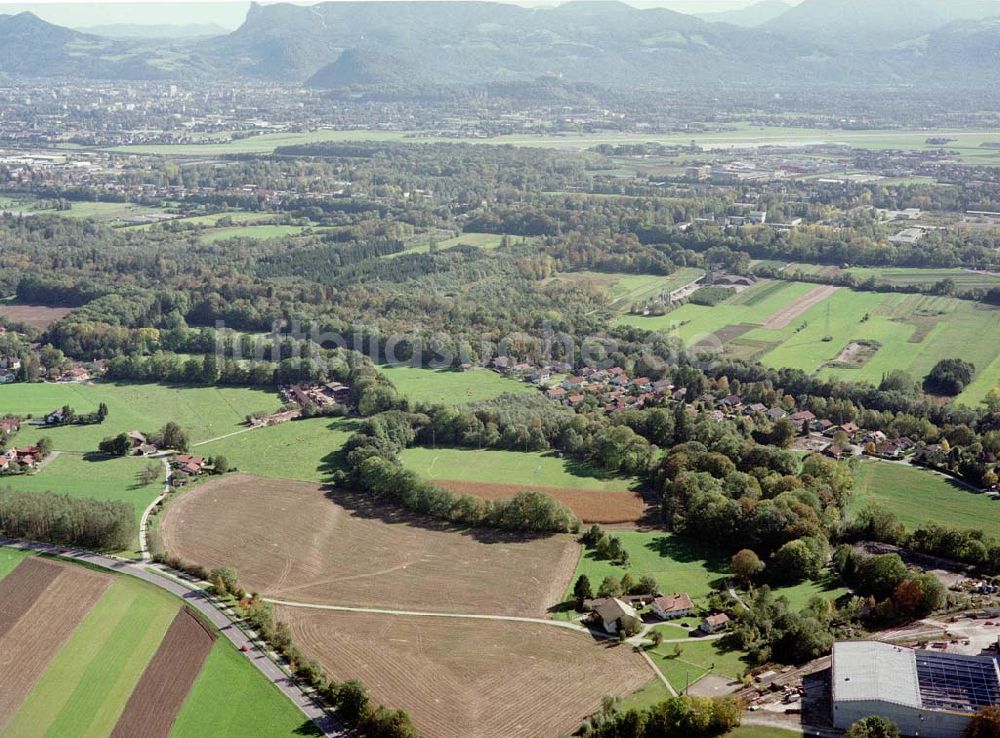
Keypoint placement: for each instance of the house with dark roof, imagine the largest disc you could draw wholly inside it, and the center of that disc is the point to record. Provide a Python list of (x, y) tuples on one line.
[(610, 611)]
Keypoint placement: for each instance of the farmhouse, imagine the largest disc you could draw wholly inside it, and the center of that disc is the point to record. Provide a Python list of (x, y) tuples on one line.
[(188, 465), (610, 611), (76, 374), (56, 417), (10, 425), (802, 419), (714, 623), (668, 607), (927, 693)]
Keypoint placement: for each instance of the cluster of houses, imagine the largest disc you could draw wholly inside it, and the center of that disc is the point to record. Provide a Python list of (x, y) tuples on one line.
[(17, 459), (320, 394), (139, 445), (9, 368), (612, 388), (607, 613)]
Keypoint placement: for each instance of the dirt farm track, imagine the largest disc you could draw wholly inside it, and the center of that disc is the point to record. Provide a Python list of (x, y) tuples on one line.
[(294, 541), (470, 679)]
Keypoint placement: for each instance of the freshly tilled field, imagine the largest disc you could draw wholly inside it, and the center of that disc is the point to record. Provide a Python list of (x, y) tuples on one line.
[(293, 541), (470, 678)]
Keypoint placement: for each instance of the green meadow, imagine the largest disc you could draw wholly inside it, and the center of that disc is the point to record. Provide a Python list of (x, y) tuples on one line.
[(251, 231), (697, 658), (452, 387), (205, 412), (913, 331), (300, 449), (903, 276), (694, 323), (231, 698), (917, 496), (9, 558), (673, 562), (508, 467)]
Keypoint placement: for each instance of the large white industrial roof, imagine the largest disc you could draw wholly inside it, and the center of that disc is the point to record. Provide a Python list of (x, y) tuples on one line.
[(870, 670)]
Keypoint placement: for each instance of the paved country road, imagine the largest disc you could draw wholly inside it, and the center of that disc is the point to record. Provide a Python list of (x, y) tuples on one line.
[(198, 600)]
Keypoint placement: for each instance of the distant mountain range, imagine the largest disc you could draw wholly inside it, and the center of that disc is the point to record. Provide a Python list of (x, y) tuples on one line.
[(751, 16), (423, 44), (135, 30)]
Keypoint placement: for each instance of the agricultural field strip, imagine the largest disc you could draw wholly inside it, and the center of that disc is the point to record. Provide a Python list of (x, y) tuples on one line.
[(156, 700), (20, 589), (197, 598), (86, 686), (33, 641)]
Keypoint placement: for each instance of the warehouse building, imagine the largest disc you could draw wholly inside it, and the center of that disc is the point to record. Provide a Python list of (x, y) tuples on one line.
[(929, 694)]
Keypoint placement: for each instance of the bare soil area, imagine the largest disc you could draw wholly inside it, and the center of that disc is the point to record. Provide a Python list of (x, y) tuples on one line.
[(591, 506), (470, 679), (294, 541), (39, 316)]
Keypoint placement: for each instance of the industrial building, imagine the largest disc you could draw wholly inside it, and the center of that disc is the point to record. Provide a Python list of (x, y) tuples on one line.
[(930, 694)]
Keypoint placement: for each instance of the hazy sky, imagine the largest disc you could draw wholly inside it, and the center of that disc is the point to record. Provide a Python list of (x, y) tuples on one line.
[(229, 14)]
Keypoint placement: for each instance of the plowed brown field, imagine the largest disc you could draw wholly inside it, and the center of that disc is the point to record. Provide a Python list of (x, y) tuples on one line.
[(291, 540), (38, 634), (591, 506), (156, 699), (20, 589), (39, 316), (470, 679)]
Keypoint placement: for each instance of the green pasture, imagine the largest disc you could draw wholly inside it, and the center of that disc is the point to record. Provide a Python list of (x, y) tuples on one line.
[(675, 564), (914, 331), (903, 276), (698, 657), (917, 496), (204, 412), (231, 698), (300, 449), (487, 241), (452, 387), (85, 687), (9, 558), (260, 232), (693, 323), (763, 731), (509, 467), (798, 595)]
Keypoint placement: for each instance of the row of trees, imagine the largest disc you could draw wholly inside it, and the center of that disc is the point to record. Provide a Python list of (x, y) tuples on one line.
[(675, 717), (69, 521)]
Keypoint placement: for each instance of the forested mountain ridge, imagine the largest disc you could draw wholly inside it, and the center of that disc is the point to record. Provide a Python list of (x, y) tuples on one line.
[(609, 44)]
